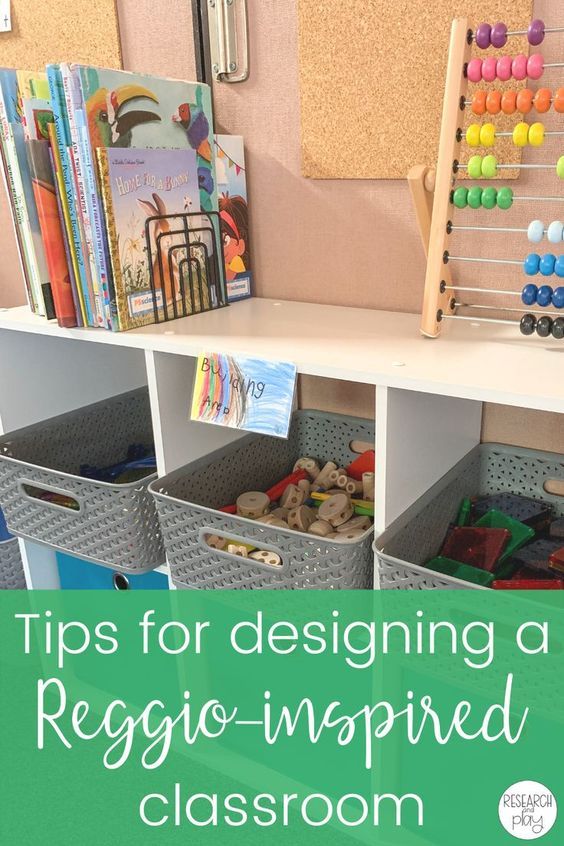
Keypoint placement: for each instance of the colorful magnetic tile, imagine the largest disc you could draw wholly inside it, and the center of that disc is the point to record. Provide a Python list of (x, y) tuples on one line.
[(536, 555), (520, 533), (460, 571), (478, 546), (557, 528), (533, 512), (528, 584)]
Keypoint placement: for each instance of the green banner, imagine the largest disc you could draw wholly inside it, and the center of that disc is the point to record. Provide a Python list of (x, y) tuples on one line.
[(396, 717)]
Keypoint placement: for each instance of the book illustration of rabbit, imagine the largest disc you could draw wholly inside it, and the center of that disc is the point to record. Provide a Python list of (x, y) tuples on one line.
[(167, 281)]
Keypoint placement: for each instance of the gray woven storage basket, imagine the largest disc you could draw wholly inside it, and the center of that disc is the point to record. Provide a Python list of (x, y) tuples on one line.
[(417, 535), (11, 567), (116, 525), (188, 498)]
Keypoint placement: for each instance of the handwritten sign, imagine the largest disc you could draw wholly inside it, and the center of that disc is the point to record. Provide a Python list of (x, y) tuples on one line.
[(244, 393)]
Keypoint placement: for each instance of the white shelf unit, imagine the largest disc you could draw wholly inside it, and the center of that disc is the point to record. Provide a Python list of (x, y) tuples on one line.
[(429, 394)]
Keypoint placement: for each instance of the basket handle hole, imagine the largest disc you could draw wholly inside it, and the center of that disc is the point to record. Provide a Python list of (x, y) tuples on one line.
[(52, 497), (249, 552), (554, 487), (121, 582)]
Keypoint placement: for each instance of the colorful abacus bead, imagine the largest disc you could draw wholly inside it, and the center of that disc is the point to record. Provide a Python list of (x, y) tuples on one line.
[(546, 265), (535, 32), (504, 198), (509, 101), (498, 35), (528, 324), (558, 328), (489, 197), (483, 36), (531, 264), (555, 232), (460, 197), (529, 294), (558, 297), (542, 100), (475, 197), (559, 267), (544, 326), (544, 296), (535, 231), (559, 101)]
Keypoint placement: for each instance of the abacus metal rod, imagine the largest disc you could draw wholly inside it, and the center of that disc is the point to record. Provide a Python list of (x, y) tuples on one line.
[(516, 166), (484, 260), (480, 319), (541, 199), (482, 290), (508, 308), (453, 227), (471, 102), (510, 134)]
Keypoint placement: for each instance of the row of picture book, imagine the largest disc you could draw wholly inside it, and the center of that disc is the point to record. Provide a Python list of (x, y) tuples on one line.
[(127, 209)]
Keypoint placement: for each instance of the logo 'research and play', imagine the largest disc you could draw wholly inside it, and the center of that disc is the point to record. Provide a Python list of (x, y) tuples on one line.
[(527, 810)]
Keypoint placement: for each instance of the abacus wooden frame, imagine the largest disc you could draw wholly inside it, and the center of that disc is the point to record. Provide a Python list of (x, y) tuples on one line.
[(436, 301)]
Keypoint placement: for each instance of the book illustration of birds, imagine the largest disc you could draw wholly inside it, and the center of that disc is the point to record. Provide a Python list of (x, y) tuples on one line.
[(126, 109), (139, 184)]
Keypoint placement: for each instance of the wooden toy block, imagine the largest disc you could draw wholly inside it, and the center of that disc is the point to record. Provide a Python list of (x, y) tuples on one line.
[(301, 518), (271, 520), (252, 504), (368, 486), (281, 513), (216, 542), (362, 523), (264, 556), (353, 487), (350, 534), (305, 486), (276, 491), (336, 510), (321, 528), (322, 479), (292, 497), (238, 549), (310, 465)]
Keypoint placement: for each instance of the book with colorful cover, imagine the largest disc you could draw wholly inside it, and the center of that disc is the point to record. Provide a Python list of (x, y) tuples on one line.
[(37, 115), (135, 185), (66, 187), (234, 214), (12, 139), (84, 209), (43, 182), (119, 109)]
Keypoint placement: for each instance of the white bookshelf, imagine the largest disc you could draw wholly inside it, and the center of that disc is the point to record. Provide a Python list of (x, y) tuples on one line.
[(429, 393)]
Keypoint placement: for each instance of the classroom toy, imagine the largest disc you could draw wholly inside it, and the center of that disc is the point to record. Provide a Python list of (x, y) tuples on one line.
[(301, 518), (479, 547), (557, 528), (360, 506), (466, 572), (532, 512), (252, 504), (271, 559), (337, 509), (309, 465), (536, 555), (292, 497), (444, 299), (528, 584), (276, 491), (365, 463), (321, 528), (519, 533), (368, 486), (556, 560), (359, 522)]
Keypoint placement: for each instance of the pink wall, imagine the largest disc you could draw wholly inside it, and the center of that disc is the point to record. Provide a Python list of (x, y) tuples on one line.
[(336, 241)]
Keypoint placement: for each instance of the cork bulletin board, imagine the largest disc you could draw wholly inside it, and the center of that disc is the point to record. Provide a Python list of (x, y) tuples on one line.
[(53, 31), (372, 78)]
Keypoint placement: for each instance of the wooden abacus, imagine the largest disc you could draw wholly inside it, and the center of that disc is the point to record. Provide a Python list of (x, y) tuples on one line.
[(436, 195)]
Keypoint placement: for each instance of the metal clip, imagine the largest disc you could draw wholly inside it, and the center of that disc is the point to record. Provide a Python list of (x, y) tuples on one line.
[(229, 49)]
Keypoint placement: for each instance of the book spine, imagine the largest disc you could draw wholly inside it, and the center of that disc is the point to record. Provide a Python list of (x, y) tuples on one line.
[(59, 193), (82, 206), (21, 219), (16, 225), (98, 228), (113, 245), (64, 167), (43, 182)]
